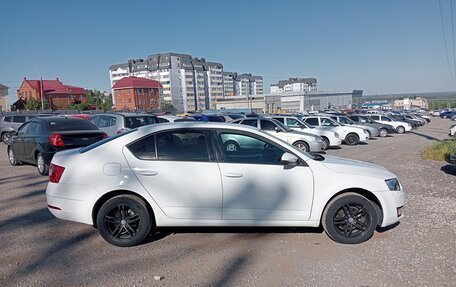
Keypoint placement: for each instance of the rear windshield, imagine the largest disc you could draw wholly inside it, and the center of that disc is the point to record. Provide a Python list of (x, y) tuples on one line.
[(103, 141), (138, 121), (68, 124)]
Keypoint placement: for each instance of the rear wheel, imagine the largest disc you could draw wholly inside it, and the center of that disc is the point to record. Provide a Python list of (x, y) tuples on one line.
[(124, 221), (302, 145), (350, 218), (382, 133), (352, 139), (41, 165), (325, 143), (400, 129)]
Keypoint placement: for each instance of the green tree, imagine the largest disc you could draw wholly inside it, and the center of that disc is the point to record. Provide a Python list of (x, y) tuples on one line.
[(99, 100), (167, 107), (34, 105)]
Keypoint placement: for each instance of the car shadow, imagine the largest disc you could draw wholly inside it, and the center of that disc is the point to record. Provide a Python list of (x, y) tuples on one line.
[(449, 169), (387, 228)]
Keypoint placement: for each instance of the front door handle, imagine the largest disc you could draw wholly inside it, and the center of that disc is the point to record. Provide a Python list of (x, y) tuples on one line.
[(233, 174)]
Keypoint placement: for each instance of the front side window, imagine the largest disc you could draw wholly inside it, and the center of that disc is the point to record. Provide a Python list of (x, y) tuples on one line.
[(34, 129), (240, 148), (294, 123), (267, 125), (23, 129), (312, 121), (182, 146), (375, 118), (327, 122), (386, 119), (249, 122), (8, 119)]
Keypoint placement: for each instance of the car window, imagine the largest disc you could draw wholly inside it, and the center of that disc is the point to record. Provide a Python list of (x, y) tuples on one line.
[(386, 119), (375, 118), (144, 148), (327, 122), (240, 148), (312, 121), (294, 123), (107, 121), (23, 129), (344, 121), (182, 146), (19, 119), (34, 129), (139, 121), (249, 122), (163, 120), (282, 120), (94, 120), (267, 125), (69, 124), (8, 119)]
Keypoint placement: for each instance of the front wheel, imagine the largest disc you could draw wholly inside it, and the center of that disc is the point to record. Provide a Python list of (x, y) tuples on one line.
[(352, 139), (350, 218), (325, 143), (400, 129), (124, 221), (12, 157), (382, 133), (41, 165), (302, 145)]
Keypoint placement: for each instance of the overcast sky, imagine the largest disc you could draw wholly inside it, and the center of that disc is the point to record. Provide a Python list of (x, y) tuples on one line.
[(378, 46)]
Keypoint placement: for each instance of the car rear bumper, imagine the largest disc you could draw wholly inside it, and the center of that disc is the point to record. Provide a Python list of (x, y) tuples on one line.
[(335, 141)]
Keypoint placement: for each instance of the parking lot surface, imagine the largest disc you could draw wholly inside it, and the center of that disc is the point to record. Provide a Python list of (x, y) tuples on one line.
[(40, 250)]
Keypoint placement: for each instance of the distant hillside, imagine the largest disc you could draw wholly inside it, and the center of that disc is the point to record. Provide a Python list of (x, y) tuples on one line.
[(437, 96)]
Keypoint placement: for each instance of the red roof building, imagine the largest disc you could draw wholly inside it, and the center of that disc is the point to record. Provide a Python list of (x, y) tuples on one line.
[(134, 93), (54, 91)]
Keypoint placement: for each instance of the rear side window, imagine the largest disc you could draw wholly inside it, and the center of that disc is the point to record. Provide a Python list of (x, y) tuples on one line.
[(69, 125), (182, 146), (144, 148), (8, 119), (251, 122), (375, 118), (312, 121), (107, 121), (267, 125)]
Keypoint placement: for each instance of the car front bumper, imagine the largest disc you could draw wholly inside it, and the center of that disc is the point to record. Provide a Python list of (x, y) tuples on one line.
[(392, 203)]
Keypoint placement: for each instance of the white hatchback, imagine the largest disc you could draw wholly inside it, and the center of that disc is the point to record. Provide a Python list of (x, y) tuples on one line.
[(180, 174)]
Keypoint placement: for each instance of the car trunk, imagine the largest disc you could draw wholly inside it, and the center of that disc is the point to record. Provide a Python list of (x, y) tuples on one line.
[(75, 139)]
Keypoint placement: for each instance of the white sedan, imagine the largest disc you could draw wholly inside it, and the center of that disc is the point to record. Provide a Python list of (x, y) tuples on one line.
[(180, 174)]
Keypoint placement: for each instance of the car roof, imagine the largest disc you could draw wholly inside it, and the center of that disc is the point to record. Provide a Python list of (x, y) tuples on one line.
[(126, 114)]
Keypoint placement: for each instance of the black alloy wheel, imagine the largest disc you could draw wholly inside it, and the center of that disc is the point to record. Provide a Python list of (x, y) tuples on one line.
[(124, 221), (352, 139), (350, 218)]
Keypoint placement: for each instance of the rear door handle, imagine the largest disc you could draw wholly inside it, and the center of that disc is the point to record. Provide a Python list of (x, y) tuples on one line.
[(233, 174), (146, 172)]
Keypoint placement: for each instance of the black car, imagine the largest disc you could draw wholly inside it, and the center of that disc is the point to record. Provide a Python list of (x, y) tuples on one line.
[(38, 140)]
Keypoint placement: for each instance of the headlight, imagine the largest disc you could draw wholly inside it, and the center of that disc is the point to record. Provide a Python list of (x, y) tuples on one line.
[(393, 184), (319, 140)]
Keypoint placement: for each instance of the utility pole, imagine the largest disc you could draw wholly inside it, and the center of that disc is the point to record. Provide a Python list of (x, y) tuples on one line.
[(41, 93)]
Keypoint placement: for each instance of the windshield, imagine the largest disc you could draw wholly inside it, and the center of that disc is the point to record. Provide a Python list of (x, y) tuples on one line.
[(282, 126), (327, 122)]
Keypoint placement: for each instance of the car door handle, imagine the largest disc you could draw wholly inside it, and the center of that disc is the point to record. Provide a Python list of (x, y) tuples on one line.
[(233, 174), (147, 172)]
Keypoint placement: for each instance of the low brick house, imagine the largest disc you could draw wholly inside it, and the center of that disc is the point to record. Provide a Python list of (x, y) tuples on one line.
[(54, 91), (134, 93)]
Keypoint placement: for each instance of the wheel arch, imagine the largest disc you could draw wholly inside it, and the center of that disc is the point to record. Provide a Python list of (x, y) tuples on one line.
[(114, 193), (367, 194)]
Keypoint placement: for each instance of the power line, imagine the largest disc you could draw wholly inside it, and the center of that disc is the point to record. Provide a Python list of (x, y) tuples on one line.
[(444, 38)]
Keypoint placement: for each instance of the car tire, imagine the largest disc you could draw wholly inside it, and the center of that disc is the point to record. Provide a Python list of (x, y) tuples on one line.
[(124, 221), (5, 137), (400, 129), (12, 157), (352, 139), (350, 218), (231, 146), (382, 132), (302, 145), (41, 165), (325, 143)]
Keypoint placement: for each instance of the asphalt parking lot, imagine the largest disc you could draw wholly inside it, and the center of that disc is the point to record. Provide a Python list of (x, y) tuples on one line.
[(40, 250)]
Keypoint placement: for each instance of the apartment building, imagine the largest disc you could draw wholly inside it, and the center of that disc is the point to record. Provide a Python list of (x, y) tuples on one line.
[(189, 83), (4, 106), (294, 85)]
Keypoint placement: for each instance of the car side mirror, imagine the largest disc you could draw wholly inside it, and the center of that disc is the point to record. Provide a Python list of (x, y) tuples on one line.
[(289, 159), (13, 133), (277, 129)]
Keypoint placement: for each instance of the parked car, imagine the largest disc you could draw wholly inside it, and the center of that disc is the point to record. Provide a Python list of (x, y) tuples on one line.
[(345, 121), (174, 119), (209, 118), (448, 114), (350, 135), (399, 126), (11, 122), (181, 175), (77, 116), (400, 117), (301, 140), (453, 130), (330, 138), (452, 158), (116, 123), (383, 129), (38, 140)]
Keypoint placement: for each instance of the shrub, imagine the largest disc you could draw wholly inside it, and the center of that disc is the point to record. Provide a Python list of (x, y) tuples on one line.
[(440, 150)]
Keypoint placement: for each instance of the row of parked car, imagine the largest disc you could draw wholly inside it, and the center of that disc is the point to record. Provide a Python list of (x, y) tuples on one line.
[(35, 138)]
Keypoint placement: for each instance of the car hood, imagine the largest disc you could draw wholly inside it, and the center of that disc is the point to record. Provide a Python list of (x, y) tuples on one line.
[(344, 165)]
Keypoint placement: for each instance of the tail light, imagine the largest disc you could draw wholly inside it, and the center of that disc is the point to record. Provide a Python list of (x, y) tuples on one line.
[(55, 173), (56, 140), (105, 135)]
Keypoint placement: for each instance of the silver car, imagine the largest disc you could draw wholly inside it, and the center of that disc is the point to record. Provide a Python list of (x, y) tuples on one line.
[(343, 120), (116, 123)]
